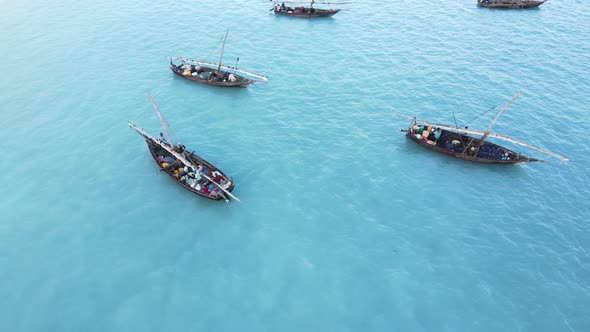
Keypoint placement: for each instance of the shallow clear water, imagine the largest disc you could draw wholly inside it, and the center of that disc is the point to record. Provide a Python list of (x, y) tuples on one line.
[(344, 225)]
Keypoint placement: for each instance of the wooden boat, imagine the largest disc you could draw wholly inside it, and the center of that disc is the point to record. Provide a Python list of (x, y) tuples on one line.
[(510, 4), (305, 12), (212, 73), (459, 143), (187, 169)]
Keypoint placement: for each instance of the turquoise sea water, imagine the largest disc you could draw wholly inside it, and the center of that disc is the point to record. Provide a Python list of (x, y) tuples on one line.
[(344, 224)]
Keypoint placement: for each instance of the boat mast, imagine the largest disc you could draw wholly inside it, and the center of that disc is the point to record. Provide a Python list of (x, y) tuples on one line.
[(487, 132), (221, 55), (161, 118)]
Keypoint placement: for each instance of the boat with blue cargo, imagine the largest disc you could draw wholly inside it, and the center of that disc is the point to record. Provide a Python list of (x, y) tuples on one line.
[(463, 143)]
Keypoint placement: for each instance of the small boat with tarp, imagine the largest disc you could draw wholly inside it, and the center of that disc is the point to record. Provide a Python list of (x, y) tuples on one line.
[(462, 143), (510, 4), (212, 73), (186, 168), (305, 12)]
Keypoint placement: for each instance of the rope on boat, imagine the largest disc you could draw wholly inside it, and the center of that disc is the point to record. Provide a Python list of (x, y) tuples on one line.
[(479, 116)]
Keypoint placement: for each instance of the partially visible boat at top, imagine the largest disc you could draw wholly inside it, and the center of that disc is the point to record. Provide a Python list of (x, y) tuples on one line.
[(187, 169), (510, 4), (212, 73), (305, 12), (462, 143)]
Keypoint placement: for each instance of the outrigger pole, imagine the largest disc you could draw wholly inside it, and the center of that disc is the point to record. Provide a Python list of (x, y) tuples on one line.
[(213, 64)]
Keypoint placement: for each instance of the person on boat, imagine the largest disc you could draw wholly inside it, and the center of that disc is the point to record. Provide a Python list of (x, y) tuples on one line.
[(190, 180), (231, 78), (162, 138), (212, 190), (184, 171), (193, 174), (225, 184), (448, 146), (180, 149), (202, 169), (437, 134), (217, 177), (194, 179)]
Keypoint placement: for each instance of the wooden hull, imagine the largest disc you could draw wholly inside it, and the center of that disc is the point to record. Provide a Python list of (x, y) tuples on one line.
[(510, 4), (488, 153), (156, 150), (307, 14), (204, 77)]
